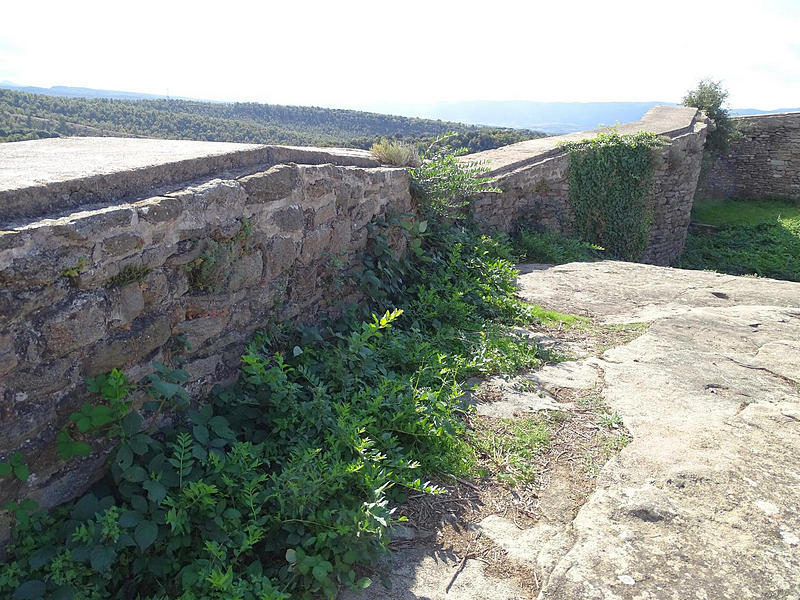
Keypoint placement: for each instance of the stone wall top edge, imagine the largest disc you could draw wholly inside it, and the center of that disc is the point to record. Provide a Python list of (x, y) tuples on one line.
[(775, 115), (670, 121), (54, 199)]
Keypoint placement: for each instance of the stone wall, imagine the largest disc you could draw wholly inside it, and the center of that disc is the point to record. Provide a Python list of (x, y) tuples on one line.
[(118, 253), (133, 282), (763, 163), (533, 177)]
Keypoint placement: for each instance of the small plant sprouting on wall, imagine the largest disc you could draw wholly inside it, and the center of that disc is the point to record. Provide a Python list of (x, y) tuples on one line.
[(15, 465), (609, 179), (76, 270), (207, 272), (130, 274)]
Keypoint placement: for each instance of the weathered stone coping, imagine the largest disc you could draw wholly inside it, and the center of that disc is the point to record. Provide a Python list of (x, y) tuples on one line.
[(775, 115), (54, 176), (671, 121)]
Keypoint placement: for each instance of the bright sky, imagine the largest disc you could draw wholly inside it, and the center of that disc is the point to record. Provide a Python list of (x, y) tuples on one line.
[(357, 53)]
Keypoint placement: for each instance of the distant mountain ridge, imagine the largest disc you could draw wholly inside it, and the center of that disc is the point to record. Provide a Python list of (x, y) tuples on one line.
[(28, 116), (549, 117), (65, 91)]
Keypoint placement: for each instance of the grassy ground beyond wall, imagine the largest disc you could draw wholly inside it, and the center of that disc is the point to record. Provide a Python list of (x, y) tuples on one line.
[(760, 237)]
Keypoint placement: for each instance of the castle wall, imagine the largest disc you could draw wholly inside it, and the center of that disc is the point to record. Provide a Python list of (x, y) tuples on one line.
[(109, 258), (763, 163)]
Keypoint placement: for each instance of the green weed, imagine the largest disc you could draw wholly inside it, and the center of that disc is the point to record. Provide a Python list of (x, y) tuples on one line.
[(507, 448), (549, 247), (129, 274), (282, 485)]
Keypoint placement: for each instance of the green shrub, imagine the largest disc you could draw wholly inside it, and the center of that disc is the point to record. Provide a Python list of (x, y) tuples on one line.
[(444, 184), (609, 179), (709, 96), (399, 154)]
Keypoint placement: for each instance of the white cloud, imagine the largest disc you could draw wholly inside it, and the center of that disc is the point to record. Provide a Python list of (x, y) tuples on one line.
[(358, 53)]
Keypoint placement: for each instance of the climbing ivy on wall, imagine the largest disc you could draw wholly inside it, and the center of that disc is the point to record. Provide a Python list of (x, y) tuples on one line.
[(609, 178)]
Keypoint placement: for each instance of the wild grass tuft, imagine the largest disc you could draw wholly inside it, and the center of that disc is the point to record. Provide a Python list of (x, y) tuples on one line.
[(399, 154)]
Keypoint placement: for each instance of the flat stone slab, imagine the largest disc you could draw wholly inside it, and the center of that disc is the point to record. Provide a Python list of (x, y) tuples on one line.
[(46, 177), (705, 501), (620, 292)]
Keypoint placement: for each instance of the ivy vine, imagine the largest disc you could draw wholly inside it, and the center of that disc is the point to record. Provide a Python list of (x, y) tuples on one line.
[(609, 180)]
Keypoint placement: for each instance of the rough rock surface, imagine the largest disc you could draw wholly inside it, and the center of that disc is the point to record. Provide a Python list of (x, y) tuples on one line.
[(705, 501)]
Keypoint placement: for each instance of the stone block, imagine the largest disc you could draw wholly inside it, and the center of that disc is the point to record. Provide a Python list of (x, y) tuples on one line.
[(274, 184), (315, 243), (127, 303), (244, 272), (289, 219), (161, 209), (8, 355), (202, 328), (79, 324), (280, 254), (129, 346), (325, 214), (202, 367), (120, 245)]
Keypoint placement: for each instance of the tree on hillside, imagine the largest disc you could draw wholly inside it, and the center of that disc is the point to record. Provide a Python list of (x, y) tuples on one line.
[(709, 96)]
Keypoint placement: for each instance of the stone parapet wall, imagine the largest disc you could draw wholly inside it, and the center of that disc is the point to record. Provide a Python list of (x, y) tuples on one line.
[(533, 178), (763, 163), (202, 267), (108, 259)]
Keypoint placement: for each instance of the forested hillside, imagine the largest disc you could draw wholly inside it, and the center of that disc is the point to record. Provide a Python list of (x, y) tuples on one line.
[(25, 116)]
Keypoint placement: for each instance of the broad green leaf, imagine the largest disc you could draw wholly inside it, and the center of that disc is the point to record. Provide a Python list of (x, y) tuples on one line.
[(33, 589), (22, 472), (41, 557), (132, 423), (145, 534), (155, 491), (130, 518), (139, 503), (320, 573), (124, 457), (101, 558), (200, 433), (135, 474), (364, 583)]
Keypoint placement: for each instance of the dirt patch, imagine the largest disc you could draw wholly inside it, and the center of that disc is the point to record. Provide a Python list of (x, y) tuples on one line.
[(556, 483)]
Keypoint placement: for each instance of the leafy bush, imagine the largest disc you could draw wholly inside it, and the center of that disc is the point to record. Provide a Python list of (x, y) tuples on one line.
[(709, 96), (399, 154), (609, 180), (444, 184)]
